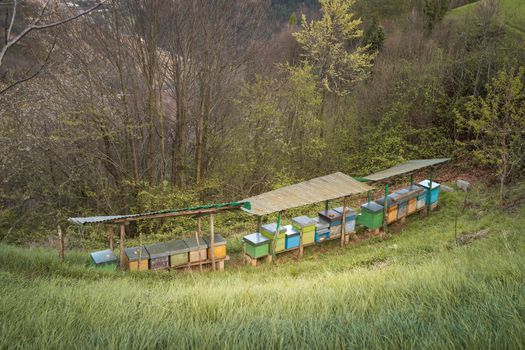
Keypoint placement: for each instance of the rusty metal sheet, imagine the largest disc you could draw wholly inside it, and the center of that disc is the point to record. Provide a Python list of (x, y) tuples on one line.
[(316, 190)]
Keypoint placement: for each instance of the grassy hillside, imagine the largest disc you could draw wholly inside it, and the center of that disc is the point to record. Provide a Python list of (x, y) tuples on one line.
[(416, 289), (512, 12)]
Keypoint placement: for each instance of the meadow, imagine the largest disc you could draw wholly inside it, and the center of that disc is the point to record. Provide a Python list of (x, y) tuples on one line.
[(417, 288)]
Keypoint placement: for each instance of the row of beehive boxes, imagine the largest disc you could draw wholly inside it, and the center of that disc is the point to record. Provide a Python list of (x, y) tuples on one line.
[(328, 225), (171, 254), (400, 204)]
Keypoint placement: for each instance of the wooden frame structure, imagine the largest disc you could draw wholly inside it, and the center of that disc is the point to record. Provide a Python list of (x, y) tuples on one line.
[(199, 211)]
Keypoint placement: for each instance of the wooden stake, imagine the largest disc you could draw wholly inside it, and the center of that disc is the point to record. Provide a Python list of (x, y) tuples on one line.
[(212, 241), (61, 238), (110, 236), (122, 239), (197, 234)]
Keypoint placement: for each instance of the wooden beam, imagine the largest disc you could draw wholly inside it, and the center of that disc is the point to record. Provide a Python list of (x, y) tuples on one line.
[(122, 239), (111, 234), (61, 238), (212, 241), (178, 213)]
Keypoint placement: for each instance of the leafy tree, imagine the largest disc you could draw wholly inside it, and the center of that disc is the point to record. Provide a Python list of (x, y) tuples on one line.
[(292, 21), (434, 11), (332, 46), (497, 122), (374, 36)]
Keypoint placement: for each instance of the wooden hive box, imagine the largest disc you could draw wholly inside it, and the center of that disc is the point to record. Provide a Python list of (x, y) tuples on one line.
[(136, 259), (422, 199), (401, 197), (219, 246), (331, 216), (159, 257), (391, 212), (322, 230), (104, 260), (371, 215), (269, 231), (306, 226), (351, 216), (198, 252), (413, 193), (257, 245), (433, 197), (178, 252), (293, 238)]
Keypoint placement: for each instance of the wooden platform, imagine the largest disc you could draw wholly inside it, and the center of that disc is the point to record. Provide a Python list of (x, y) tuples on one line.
[(219, 264), (254, 262)]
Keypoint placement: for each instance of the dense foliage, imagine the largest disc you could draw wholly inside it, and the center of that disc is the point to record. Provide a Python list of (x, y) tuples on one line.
[(150, 105)]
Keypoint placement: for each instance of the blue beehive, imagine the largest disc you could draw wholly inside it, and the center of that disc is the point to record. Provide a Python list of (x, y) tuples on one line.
[(434, 191), (322, 231), (351, 215), (293, 237)]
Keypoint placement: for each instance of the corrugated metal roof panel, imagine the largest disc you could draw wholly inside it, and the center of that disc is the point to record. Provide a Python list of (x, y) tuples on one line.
[(106, 219), (405, 168), (320, 189)]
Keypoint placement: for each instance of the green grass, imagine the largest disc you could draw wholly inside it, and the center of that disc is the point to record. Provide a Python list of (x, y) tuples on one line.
[(416, 289), (512, 12)]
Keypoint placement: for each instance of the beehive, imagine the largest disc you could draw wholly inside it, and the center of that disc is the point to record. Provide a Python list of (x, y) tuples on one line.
[(351, 215), (306, 226), (413, 193), (434, 191), (219, 246), (198, 251), (331, 216), (371, 215), (257, 245), (322, 230), (178, 252), (269, 231), (104, 260), (422, 199), (401, 197), (391, 212), (293, 237), (158, 256), (136, 259)]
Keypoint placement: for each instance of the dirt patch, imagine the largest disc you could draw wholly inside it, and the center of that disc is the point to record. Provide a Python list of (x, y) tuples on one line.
[(471, 237)]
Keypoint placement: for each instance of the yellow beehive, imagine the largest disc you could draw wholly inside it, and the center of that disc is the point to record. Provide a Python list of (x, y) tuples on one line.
[(131, 259), (219, 246), (412, 205)]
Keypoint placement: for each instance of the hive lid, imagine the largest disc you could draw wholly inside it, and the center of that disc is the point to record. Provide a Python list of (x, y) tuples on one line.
[(372, 206), (391, 200), (177, 246), (103, 257), (414, 189), (133, 253), (349, 211), (330, 214), (272, 228), (401, 195), (192, 244), (321, 224), (218, 240), (157, 250), (256, 238), (426, 184), (290, 231), (303, 221)]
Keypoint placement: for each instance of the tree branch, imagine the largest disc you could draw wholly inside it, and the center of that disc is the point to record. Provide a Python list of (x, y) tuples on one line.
[(40, 69), (35, 26)]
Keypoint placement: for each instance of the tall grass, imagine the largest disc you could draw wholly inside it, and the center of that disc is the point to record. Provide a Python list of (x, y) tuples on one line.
[(417, 289)]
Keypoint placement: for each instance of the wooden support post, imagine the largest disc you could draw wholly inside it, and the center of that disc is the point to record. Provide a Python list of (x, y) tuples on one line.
[(111, 234), (259, 224), (122, 239), (343, 224), (197, 235), (326, 204), (274, 243), (212, 241), (61, 239), (301, 246), (411, 181), (369, 196), (385, 212)]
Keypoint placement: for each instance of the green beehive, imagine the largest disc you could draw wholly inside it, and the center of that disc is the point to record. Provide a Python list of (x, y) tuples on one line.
[(371, 215), (178, 251), (269, 230), (104, 259), (307, 227), (257, 245)]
